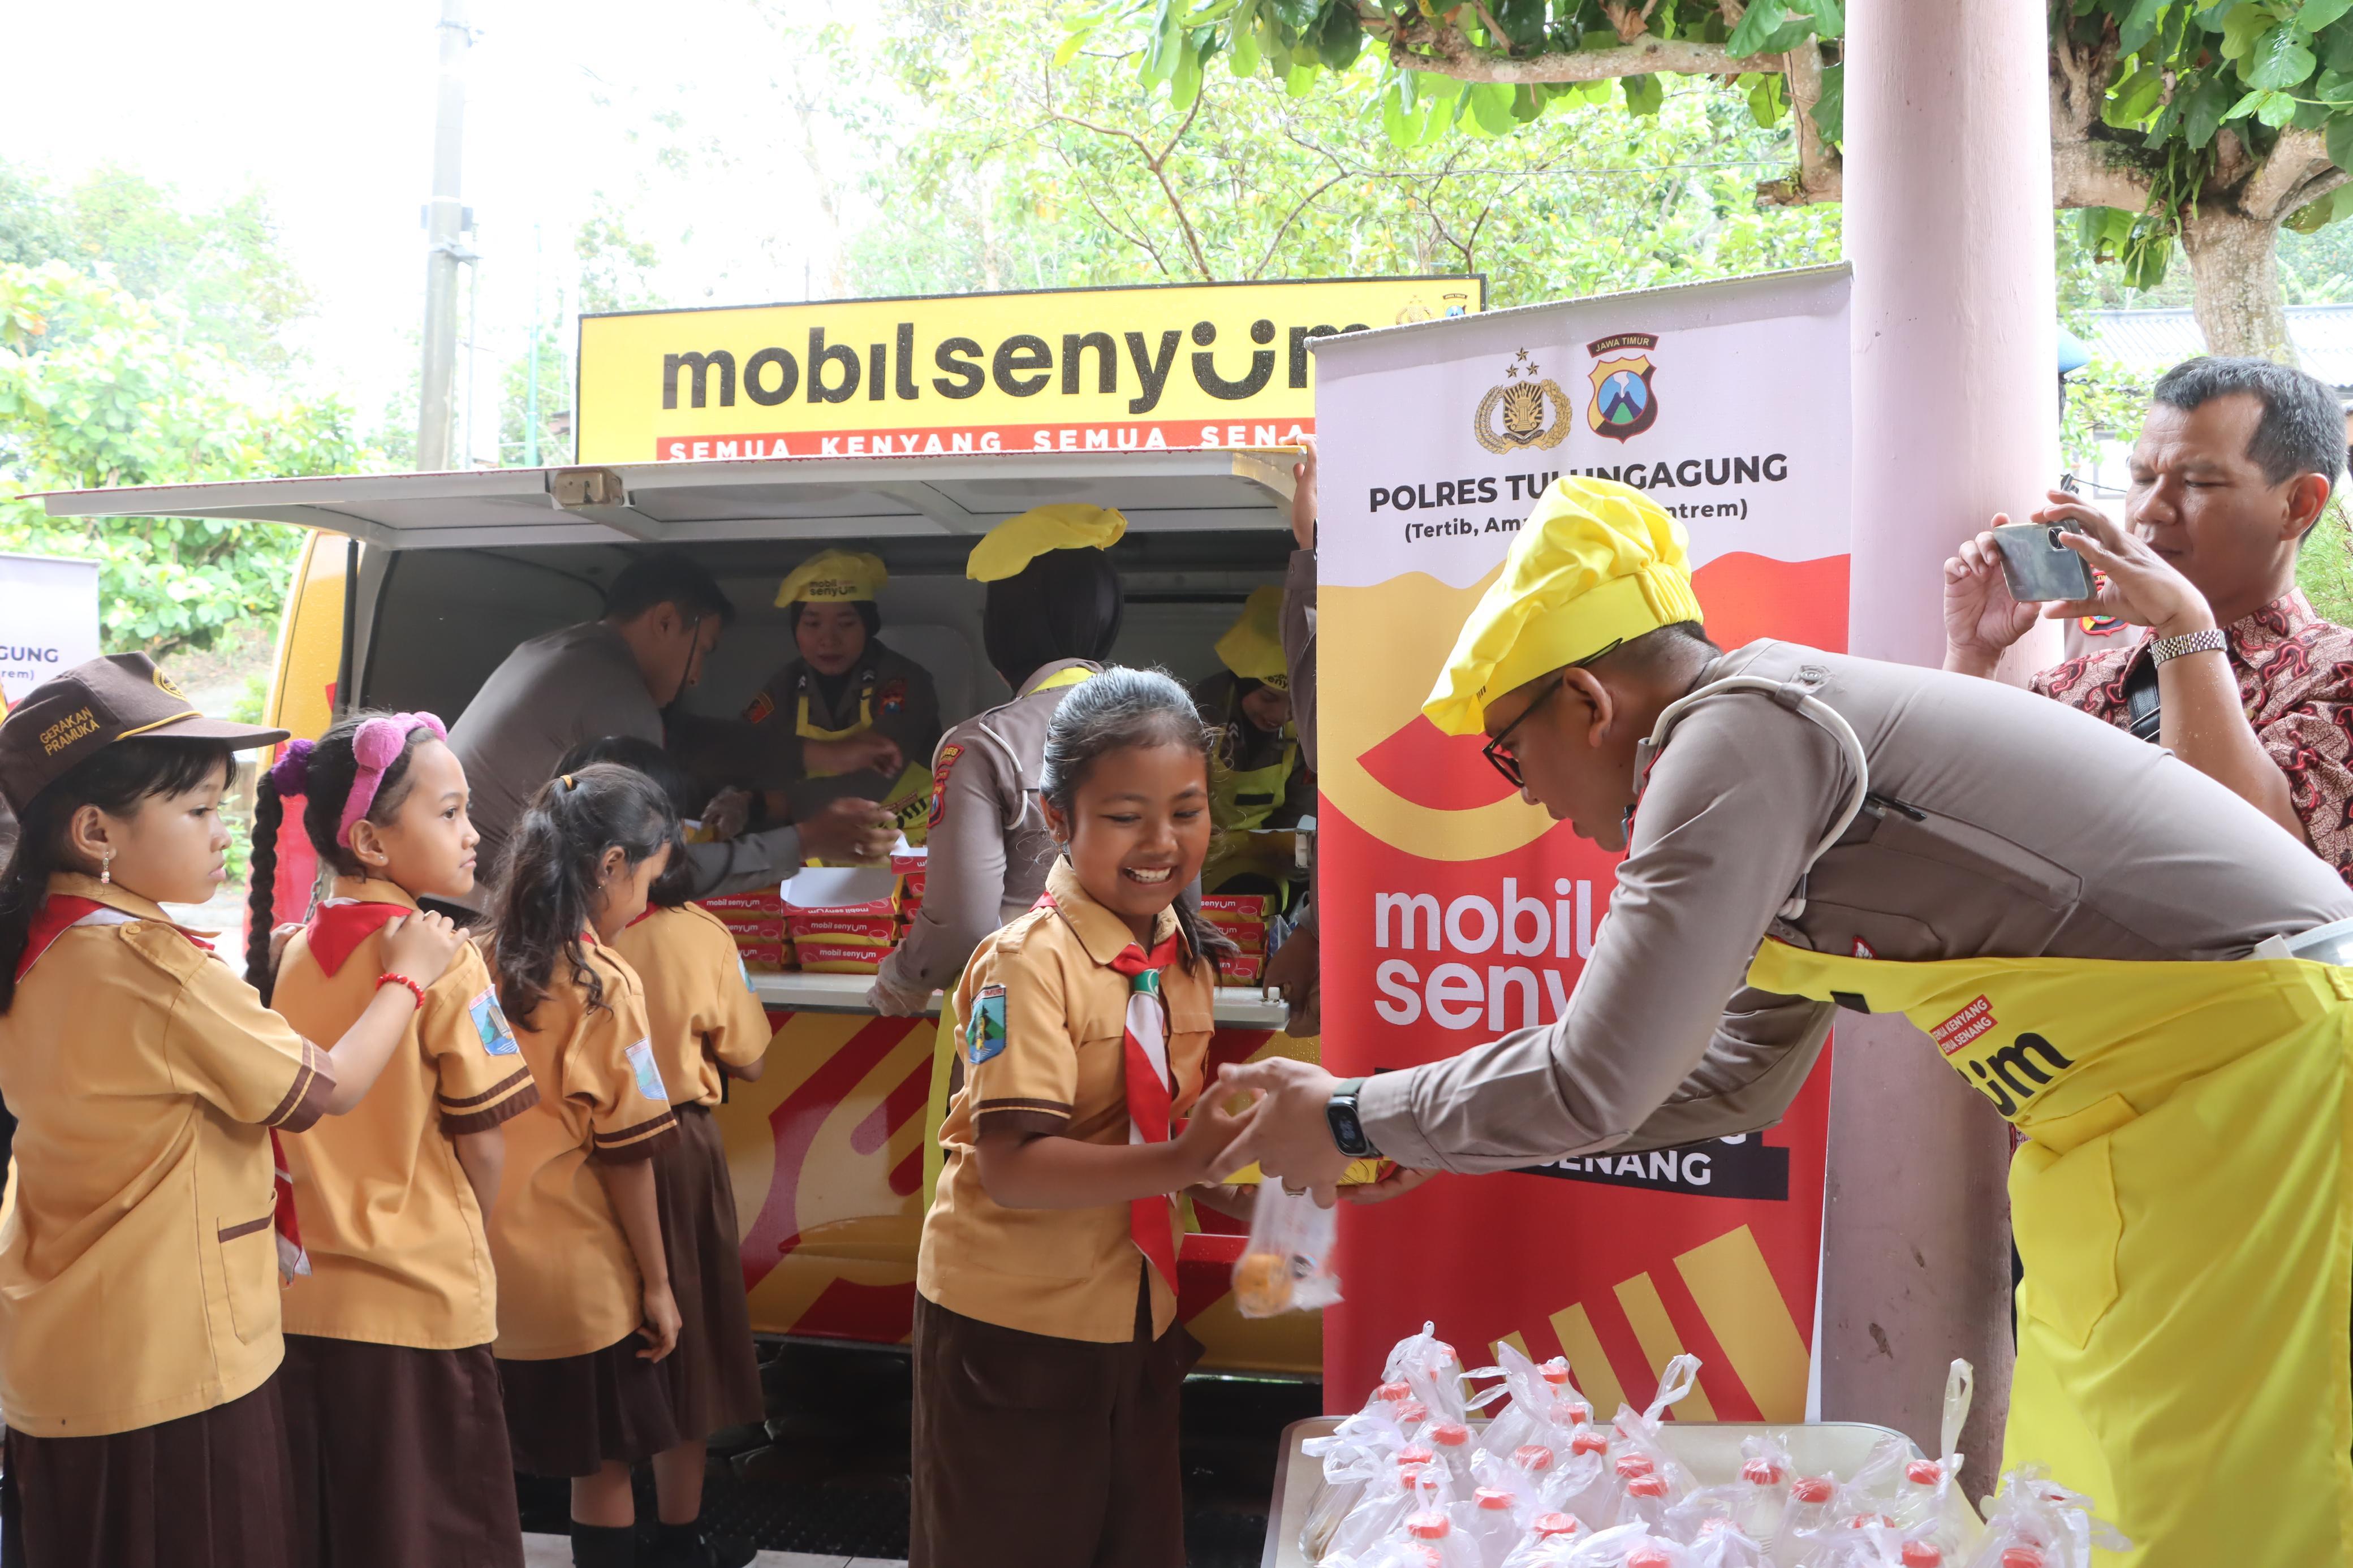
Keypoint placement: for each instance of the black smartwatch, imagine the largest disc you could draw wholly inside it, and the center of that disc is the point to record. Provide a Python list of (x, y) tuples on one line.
[(1348, 1127)]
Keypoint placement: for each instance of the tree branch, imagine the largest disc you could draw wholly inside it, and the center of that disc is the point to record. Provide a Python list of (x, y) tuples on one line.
[(1443, 50), (1821, 174), (2298, 171), (1158, 164)]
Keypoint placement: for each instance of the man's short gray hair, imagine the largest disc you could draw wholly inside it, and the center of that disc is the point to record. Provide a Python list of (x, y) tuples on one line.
[(2303, 427)]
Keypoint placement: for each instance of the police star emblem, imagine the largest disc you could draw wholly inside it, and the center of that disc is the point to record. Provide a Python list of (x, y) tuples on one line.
[(1522, 411), (1624, 404)]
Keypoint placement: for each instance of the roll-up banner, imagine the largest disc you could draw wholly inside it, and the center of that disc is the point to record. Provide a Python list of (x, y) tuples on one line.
[(1454, 912)]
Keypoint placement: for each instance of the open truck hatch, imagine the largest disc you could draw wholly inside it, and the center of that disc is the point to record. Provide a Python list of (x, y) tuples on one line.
[(689, 503)]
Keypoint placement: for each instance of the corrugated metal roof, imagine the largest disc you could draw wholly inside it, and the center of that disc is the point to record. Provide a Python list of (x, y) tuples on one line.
[(2153, 341)]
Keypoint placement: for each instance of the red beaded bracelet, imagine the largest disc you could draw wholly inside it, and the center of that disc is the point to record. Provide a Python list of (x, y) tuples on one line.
[(414, 989)]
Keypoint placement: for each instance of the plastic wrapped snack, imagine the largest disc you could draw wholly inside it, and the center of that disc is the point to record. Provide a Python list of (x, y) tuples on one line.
[(1363, 1449), (1287, 1267), (1765, 1474), (2034, 1522), (1720, 1544), (1637, 1434), (1551, 1538)]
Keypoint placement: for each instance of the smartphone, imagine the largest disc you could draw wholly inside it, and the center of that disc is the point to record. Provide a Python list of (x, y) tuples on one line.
[(2038, 567)]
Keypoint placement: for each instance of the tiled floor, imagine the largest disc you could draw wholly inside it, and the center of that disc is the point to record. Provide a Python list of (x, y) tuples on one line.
[(555, 1552)]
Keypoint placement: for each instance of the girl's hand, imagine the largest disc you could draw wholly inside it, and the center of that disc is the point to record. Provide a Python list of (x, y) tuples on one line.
[(1235, 1202), (661, 1327), (1205, 1143), (1395, 1182), (421, 945)]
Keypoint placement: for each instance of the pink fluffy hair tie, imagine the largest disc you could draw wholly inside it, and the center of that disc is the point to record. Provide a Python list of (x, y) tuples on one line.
[(376, 747)]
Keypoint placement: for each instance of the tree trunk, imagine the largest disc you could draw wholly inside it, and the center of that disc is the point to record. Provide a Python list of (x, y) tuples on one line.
[(2234, 271)]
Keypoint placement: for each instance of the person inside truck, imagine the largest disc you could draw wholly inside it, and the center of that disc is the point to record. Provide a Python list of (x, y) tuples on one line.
[(1050, 614), (1260, 780), (623, 675), (849, 717)]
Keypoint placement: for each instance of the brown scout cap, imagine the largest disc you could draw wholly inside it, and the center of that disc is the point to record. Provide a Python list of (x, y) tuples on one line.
[(65, 720)]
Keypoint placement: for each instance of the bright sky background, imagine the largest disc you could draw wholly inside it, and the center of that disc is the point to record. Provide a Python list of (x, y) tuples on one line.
[(329, 109)]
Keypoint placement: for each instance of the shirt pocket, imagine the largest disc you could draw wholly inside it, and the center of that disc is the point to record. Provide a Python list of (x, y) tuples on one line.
[(2065, 1216), (1968, 888), (248, 1259)]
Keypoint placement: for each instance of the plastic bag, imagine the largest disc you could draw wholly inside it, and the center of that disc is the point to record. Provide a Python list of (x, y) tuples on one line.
[(1637, 1436), (1545, 1407), (1551, 1538), (1429, 1366), (1763, 1490), (1720, 1544), (2035, 1522), (1287, 1267), (1388, 1502), (1361, 1449), (1629, 1546)]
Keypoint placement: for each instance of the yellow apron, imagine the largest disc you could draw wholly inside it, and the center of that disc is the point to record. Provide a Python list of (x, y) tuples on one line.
[(909, 798), (2184, 1213), (943, 1043), (1241, 799)]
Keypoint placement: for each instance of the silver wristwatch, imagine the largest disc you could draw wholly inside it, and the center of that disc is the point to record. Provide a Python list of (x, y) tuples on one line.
[(2210, 640)]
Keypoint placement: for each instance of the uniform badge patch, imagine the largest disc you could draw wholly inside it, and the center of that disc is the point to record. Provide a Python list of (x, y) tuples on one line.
[(641, 1062), (490, 1024), (761, 707), (948, 755), (984, 1037), (892, 698)]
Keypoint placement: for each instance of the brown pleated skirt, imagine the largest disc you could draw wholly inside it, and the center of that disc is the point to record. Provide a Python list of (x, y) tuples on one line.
[(570, 1415), (714, 1378), (400, 1455), (1036, 1452), (208, 1490)]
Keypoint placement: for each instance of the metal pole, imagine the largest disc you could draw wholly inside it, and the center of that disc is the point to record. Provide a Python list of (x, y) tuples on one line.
[(530, 393), (444, 219), (1949, 225), (473, 340)]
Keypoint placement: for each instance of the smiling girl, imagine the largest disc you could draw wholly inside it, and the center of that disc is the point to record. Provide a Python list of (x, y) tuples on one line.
[(140, 1335), (1048, 1355), (391, 1396)]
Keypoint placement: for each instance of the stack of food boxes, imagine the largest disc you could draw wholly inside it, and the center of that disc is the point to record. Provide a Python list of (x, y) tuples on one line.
[(843, 920), (1243, 918), (757, 921)]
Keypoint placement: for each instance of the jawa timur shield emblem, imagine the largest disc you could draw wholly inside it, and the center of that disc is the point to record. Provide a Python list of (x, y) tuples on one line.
[(1623, 405), (1523, 411)]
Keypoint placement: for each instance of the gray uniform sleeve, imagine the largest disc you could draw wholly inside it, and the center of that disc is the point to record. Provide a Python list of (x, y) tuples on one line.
[(963, 877), (1299, 647), (1649, 1045), (755, 860)]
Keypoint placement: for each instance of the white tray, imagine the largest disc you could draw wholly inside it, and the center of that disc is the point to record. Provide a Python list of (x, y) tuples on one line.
[(1711, 1449)]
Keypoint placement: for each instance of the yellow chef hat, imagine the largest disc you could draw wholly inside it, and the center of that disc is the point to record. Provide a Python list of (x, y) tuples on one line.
[(1253, 647), (834, 577), (1597, 562), (1017, 541)]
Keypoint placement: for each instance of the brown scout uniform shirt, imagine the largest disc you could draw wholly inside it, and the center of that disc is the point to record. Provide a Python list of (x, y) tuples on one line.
[(1070, 1273), (399, 1254), (138, 1271), (1999, 825), (568, 1283), (699, 1000), (989, 846)]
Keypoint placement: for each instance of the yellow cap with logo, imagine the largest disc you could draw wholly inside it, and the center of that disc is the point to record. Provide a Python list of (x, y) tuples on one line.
[(1017, 541), (1253, 647), (1597, 562), (834, 577)]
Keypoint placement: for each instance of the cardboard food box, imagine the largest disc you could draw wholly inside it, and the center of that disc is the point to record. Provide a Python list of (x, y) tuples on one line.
[(765, 957), (1246, 906), (884, 928), (745, 927), (841, 890), (829, 957), (762, 900), (1246, 969), (909, 857)]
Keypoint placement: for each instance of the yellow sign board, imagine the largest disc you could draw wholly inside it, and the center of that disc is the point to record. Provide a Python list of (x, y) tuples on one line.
[(1073, 370)]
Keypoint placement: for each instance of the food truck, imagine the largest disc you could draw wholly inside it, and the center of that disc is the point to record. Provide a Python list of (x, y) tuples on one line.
[(750, 438)]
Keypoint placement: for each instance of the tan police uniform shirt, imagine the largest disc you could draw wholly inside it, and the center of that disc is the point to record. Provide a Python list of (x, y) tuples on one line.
[(568, 1283), (699, 1000), (898, 692), (1999, 825), (989, 846), (138, 1271), (1062, 1071), (398, 1253)]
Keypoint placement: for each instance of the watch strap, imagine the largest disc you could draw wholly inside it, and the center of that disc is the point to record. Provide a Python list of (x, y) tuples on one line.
[(2210, 640)]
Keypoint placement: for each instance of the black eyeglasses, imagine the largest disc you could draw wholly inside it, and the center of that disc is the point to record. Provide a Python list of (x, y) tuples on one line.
[(1495, 751)]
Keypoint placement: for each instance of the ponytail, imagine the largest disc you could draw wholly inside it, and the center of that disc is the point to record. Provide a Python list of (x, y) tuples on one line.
[(268, 816), (114, 779), (549, 897)]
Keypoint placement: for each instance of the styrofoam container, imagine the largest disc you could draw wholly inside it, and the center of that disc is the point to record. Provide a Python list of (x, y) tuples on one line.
[(1710, 1448)]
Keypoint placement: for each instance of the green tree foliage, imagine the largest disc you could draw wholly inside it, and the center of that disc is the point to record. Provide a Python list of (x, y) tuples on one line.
[(100, 387), (1010, 171)]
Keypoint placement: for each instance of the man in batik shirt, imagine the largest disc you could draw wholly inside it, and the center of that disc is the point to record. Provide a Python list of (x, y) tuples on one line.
[(2230, 670)]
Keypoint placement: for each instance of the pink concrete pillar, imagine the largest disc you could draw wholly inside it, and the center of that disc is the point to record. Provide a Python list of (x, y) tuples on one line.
[(1948, 225)]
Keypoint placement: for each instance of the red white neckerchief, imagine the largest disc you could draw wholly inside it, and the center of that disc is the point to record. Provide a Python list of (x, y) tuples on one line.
[(338, 926), (1151, 1096)]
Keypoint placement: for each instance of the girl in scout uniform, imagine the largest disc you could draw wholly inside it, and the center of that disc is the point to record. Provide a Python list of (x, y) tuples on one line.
[(816, 718), (1048, 1355), (707, 1027), (585, 1311), (139, 1278), (391, 1396), (1051, 611), (1259, 780)]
